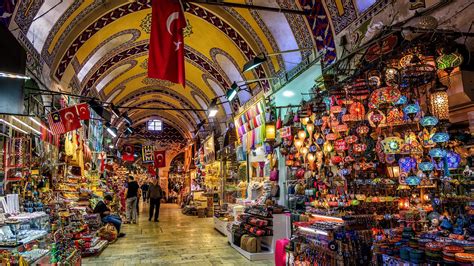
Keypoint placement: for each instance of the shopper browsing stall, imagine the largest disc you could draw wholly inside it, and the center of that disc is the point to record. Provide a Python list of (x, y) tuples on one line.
[(106, 215)]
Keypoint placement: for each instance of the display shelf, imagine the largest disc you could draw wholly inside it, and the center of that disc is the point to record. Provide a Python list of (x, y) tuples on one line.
[(221, 226), (265, 255)]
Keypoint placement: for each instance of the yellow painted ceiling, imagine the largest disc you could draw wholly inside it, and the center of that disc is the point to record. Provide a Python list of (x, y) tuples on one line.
[(201, 36)]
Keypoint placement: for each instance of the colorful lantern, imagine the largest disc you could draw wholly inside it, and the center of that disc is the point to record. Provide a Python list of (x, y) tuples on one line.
[(392, 145), (440, 137), (383, 96), (411, 110), (394, 116), (413, 180), (340, 145), (331, 136), (336, 159), (402, 101), (426, 166), (440, 104), (376, 118), (359, 147), (342, 128), (407, 164), (429, 121), (453, 159), (393, 171), (351, 139), (302, 134), (298, 143), (437, 154), (449, 61), (362, 130), (270, 131), (357, 110)]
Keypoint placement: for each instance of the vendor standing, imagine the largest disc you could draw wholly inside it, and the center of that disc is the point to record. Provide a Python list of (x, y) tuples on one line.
[(155, 195)]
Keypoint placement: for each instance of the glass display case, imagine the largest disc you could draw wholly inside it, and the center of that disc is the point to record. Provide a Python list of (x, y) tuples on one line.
[(23, 228)]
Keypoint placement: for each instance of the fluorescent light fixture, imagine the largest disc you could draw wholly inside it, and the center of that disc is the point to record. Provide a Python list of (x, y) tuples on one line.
[(26, 125), (232, 92), (13, 76), (127, 119), (135, 155), (111, 146), (254, 62), (39, 124), (212, 110), (129, 130), (13, 126), (111, 132), (314, 231), (288, 94), (115, 110)]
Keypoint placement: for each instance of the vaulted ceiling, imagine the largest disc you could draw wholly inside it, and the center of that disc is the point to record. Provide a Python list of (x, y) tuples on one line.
[(100, 48)]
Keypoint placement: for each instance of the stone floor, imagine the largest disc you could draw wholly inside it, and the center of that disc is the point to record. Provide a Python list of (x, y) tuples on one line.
[(176, 240)]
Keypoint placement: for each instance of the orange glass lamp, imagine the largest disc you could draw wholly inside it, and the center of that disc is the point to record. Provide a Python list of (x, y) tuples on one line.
[(302, 134), (298, 143), (270, 132), (304, 150), (311, 158), (393, 171)]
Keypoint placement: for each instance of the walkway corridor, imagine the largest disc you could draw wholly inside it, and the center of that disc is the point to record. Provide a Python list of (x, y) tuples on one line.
[(175, 240)]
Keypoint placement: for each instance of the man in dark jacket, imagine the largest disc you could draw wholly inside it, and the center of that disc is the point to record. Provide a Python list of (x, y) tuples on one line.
[(105, 215), (155, 194)]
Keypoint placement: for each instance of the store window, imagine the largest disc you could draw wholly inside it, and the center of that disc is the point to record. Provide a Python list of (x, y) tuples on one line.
[(363, 5), (155, 125)]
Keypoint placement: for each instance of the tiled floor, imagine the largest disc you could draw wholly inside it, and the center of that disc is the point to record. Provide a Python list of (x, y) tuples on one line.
[(176, 240)]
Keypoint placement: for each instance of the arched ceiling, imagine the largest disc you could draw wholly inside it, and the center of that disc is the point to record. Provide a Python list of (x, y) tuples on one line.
[(101, 48)]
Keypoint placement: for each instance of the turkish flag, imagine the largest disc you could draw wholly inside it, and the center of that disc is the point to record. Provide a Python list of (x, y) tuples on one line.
[(128, 153), (160, 159), (70, 118), (166, 49), (83, 111)]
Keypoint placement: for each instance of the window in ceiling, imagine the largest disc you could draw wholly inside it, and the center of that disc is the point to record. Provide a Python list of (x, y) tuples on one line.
[(363, 5), (154, 125)]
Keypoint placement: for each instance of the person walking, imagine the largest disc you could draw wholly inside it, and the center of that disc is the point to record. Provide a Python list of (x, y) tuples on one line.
[(131, 201), (144, 188), (156, 193)]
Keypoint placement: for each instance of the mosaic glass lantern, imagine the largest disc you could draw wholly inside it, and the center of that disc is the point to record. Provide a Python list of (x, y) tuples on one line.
[(407, 164), (429, 121), (394, 116), (403, 100), (392, 145), (393, 171), (453, 159), (359, 147), (449, 61), (411, 110), (351, 139), (357, 110), (384, 96), (437, 154), (440, 104), (340, 145), (426, 166), (318, 122), (336, 159), (331, 136), (376, 118), (342, 128), (440, 137), (413, 180), (362, 130)]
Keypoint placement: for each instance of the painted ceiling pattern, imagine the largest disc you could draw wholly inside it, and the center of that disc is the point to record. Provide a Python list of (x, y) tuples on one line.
[(101, 48)]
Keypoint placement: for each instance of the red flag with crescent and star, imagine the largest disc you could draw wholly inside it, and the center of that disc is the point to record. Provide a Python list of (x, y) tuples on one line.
[(70, 118), (128, 153), (83, 111), (160, 159), (166, 49)]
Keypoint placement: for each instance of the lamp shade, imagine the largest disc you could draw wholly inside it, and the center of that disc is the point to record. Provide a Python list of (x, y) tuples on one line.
[(298, 143), (254, 63), (426, 166), (440, 137), (393, 171), (301, 134), (429, 121), (440, 104), (270, 131), (437, 153)]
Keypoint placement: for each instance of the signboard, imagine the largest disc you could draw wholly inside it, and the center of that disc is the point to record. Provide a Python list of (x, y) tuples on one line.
[(209, 150), (147, 152)]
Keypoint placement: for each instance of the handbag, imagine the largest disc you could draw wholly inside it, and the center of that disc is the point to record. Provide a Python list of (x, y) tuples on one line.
[(275, 191), (274, 175)]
